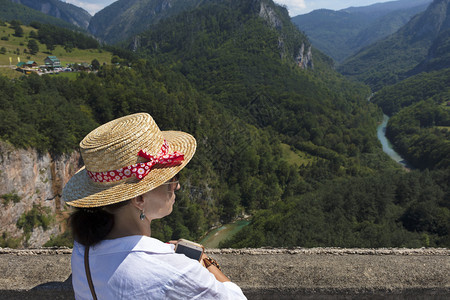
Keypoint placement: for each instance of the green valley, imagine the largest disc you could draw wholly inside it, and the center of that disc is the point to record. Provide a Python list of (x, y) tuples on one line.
[(282, 136)]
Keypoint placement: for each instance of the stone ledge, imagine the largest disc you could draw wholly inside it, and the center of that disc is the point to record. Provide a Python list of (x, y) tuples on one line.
[(328, 273)]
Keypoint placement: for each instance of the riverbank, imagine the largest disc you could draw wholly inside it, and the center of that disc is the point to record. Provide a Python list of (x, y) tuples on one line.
[(216, 235)]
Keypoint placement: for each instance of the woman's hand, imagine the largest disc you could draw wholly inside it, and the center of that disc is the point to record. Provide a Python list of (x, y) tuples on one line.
[(202, 260), (214, 270)]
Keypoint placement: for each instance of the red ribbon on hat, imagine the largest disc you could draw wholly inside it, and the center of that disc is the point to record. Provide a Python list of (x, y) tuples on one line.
[(140, 170)]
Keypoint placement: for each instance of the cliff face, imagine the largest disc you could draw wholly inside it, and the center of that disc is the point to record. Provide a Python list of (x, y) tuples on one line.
[(303, 56), (304, 59), (33, 179), (269, 14)]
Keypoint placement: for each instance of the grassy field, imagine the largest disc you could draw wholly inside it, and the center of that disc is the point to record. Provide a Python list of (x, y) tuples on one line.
[(444, 127), (297, 158), (16, 48)]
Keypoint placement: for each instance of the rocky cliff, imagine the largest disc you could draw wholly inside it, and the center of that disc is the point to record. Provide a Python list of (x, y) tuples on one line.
[(278, 18), (304, 59), (31, 179)]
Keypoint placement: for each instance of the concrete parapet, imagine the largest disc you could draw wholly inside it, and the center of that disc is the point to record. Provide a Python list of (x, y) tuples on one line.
[(325, 273)]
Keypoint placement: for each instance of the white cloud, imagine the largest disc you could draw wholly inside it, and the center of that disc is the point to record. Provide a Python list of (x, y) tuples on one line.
[(295, 7)]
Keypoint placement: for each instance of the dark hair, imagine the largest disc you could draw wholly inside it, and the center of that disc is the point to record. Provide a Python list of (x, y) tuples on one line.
[(91, 225)]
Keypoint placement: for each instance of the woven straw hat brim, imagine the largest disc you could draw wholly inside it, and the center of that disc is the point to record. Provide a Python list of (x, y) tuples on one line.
[(81, 191)]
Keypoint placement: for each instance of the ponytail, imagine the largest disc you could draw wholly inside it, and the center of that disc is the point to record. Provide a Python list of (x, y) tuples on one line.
[(90, 226)]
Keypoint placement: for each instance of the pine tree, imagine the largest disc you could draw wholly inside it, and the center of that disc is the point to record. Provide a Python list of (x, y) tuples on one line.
[(33, 46)]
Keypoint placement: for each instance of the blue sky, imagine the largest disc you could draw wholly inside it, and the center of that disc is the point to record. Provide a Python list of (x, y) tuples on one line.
[(295, 7)]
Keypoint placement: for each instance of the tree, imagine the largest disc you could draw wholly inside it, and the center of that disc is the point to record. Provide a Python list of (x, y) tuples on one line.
[(18, 31), (115, 59), (50, 47), (2, 50), (33, 46), (33, 34), (95, 64), (15, 23)]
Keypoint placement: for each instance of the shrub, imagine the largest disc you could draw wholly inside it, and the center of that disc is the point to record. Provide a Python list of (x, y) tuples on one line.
[(10, 197), (9, 242), (64, 239), (37, 216)]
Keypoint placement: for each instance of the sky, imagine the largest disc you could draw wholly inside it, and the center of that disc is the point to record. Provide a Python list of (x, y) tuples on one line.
[(295, 7)]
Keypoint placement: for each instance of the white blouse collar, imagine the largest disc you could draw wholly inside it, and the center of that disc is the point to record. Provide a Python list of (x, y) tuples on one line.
[(134, 243)]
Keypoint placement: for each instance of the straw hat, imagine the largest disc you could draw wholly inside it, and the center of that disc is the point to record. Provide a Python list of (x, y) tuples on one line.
[(113, 149)]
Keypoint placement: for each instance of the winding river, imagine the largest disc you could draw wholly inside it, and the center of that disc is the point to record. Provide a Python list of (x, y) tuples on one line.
[(214, 237), (387, 146)]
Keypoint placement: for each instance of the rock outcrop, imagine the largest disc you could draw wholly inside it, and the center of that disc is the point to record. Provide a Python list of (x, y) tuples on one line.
[(303, 55), (304, 59), (32, 178), (269, 14)]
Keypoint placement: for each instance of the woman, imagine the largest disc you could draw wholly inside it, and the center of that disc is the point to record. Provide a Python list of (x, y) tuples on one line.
[(129, 179)]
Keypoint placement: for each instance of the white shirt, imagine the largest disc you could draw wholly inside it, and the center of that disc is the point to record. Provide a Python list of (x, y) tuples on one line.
[(140, 267)]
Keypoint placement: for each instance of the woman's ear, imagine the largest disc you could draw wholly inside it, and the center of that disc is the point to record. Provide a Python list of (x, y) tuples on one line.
[(138, 202)]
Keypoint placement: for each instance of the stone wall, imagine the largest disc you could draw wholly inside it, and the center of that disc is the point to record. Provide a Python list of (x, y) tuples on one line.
[(325, 273)]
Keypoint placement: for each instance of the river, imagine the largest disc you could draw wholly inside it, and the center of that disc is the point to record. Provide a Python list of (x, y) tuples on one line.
[(214, 237), (387, 146)]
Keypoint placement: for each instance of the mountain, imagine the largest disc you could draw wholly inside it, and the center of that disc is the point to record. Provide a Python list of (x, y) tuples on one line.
[(342, 33), (281, 135), (438, 55), (180, 35), (125, 18), (423, 40), (61, 10), (230, 51), (12, 11)]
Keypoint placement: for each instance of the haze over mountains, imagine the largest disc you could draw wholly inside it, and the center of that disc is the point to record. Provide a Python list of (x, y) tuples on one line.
[(337, 33), (421, 44), (342, 33), (62, 10)]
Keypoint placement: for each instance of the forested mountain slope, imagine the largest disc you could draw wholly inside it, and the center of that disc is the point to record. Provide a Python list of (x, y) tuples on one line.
[(342, 33), (125, 18), (392, 59), (58, 9), (281, 135), (420, 126), (438, 55), (11, 11), (228, 57)]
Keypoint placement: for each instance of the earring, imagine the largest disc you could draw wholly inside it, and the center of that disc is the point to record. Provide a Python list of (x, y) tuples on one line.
[(142, 215)]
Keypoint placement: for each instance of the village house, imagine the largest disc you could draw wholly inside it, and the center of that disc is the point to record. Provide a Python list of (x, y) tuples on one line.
[(52, 62), (31, 64)]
